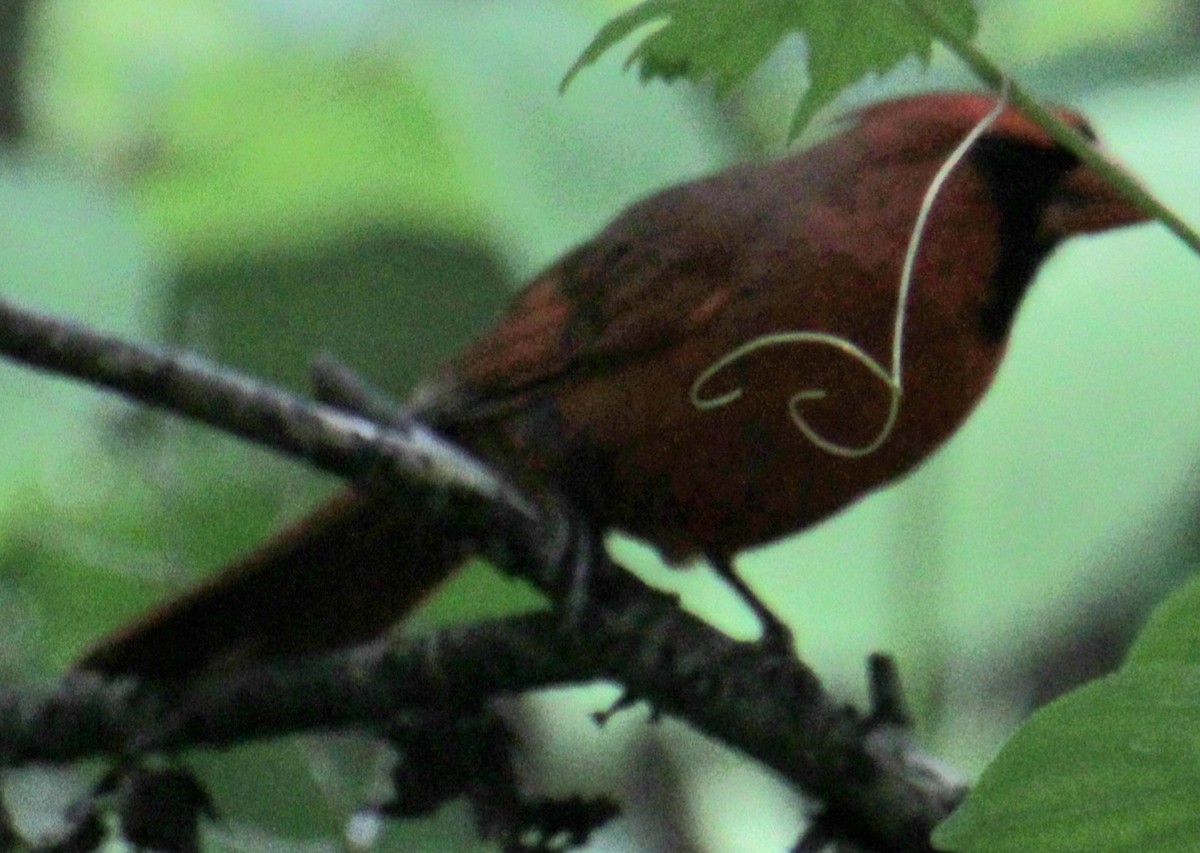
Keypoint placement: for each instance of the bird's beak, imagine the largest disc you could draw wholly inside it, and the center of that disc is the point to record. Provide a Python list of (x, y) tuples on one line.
[(1084, 203)]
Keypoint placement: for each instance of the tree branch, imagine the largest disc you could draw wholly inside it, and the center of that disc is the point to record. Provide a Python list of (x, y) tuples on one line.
[(876, 789)]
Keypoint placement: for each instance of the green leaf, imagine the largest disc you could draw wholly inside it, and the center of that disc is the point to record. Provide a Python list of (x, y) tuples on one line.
[(1112, 768), (1172, 632), (724, 42)]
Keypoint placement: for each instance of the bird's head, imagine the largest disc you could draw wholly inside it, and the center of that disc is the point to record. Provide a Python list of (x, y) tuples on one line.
[(1040, 190), (1025, 165)]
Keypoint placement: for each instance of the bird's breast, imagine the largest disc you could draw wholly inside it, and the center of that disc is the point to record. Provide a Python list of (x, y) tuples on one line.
[(723, 442)]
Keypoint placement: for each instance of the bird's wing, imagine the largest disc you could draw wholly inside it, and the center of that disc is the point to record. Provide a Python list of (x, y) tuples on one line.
[(659, 272)]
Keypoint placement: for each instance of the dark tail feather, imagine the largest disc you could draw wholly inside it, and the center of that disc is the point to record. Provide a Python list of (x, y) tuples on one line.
[(341, 576)]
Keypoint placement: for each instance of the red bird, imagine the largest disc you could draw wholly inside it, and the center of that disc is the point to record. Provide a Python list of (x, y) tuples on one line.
[(728, 362)]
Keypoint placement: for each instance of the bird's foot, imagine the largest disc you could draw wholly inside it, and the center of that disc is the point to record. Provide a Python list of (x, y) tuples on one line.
[(776, 638)]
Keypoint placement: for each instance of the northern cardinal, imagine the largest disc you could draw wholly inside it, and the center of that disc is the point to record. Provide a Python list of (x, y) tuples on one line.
[(728, 362)]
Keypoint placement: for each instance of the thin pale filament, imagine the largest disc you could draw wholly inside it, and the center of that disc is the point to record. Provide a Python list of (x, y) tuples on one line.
[(891, 378)]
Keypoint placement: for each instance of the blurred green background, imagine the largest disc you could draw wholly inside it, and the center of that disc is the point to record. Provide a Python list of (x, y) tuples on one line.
[(264, 180)]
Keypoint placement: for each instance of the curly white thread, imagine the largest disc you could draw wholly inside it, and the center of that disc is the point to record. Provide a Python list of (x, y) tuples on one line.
[(891, 378)]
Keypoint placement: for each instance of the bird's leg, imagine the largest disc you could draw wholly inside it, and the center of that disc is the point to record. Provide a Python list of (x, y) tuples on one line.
[(776, 636)]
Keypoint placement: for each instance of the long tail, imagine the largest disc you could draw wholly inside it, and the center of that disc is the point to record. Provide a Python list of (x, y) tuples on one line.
[(340, 576)]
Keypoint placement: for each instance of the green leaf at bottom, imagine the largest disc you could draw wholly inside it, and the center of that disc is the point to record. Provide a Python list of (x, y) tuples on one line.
[(1112, 768)]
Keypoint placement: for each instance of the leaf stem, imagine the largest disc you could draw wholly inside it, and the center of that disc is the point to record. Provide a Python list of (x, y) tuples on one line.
[(992, 76)]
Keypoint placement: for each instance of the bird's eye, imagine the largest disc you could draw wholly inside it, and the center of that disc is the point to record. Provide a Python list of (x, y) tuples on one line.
[(1010, 161), (1083, 127)]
